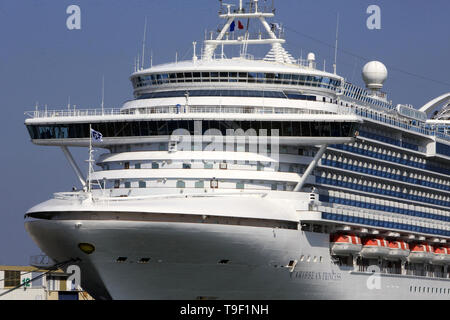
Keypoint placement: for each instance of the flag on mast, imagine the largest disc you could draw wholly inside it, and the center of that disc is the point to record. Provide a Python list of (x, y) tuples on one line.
[(240, 25), (96, 136), (232, 26)]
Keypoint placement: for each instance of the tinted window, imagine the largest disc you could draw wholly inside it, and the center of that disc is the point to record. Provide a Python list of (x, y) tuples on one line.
[(152, 128)]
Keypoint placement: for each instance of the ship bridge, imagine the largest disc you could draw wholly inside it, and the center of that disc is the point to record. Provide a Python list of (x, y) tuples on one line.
[(239, 74)]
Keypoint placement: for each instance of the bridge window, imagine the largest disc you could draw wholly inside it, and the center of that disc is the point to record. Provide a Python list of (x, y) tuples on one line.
[(165, 128), (277, 78)]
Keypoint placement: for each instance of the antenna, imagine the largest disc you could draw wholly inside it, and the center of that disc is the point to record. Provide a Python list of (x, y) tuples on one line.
[(143, 43), (194, 44), (335, 48), (103, 94), (90, 167), (229, 5)]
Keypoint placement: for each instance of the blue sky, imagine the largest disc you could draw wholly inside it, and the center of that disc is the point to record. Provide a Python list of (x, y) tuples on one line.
[(42, 61)]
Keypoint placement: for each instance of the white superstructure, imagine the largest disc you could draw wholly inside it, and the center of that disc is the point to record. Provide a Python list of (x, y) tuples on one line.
[(245, 178)]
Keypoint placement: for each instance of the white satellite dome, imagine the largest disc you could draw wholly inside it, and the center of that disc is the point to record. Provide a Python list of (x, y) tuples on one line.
[(311, 56), (374, 74), (311, 60)]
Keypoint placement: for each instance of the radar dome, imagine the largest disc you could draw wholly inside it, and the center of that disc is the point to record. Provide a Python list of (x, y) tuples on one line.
[(374, 74), (311, 56)]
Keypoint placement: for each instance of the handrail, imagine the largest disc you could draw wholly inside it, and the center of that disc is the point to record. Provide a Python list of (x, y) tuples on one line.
[(424, 129), (81, 195), (77, 195), (177, 110), (73, 113)]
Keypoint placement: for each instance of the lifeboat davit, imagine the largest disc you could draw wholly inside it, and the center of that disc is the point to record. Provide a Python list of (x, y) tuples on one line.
[(398, 250), (441, 255), (344, 245), (375, 248), (421, 253)]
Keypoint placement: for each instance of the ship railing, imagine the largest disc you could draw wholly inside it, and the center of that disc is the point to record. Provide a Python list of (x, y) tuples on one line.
[(72, 113), (299, 62), (104, 198), (305, 63), (416, 128), (247, 56), (262, 110), (229, 110), (41, 261), (182, 109), (262, 8), (77, 195)]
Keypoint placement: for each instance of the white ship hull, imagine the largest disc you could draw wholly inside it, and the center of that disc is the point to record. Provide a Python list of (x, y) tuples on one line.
[(215, 261)]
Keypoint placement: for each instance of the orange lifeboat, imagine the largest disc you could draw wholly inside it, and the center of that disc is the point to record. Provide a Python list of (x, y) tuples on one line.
[(398, 250), (441, 255), (421, 253), (344, 245), (375, 248)]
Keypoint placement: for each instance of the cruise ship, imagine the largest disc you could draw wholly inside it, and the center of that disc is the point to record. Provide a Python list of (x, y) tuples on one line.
[(235, 177)]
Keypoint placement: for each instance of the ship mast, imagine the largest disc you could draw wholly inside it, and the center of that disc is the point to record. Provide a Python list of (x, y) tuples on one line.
[(277, 52), (90, 161)]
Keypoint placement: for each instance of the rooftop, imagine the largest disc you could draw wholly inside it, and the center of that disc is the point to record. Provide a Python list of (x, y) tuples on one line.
[(237, 64)]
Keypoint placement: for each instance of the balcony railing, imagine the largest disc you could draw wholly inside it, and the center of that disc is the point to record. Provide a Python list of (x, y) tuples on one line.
[(422, 129), (180, 109), (73, 113)]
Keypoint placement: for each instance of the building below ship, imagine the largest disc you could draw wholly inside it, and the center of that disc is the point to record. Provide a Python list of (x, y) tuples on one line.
[(16, 283)]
